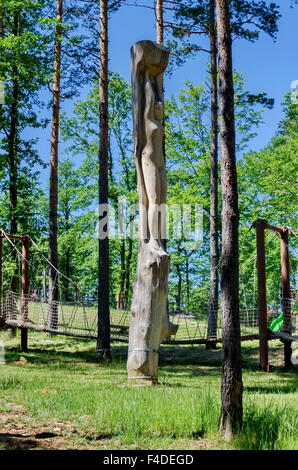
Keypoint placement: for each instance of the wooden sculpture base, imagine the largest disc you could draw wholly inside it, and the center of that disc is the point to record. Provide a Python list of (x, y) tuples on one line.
[(149, 324)]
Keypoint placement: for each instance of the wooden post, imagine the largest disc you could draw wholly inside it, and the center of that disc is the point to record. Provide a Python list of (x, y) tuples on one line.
[(260, 226), (286, 293), (25, 292)]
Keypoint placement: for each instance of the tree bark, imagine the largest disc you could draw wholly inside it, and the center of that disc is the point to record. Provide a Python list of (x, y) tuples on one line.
[(286, 295), (53, 202), (187, 280), (159, 21), (231, 381), (179, 288), (12, 140), (127, 272), (67, 273), (103, 340), (214, 249), (1, 24), (121, 298), (12, 161), (25, 292)]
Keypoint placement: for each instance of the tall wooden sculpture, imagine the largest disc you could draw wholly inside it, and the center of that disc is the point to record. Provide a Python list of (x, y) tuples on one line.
[(149, 320)]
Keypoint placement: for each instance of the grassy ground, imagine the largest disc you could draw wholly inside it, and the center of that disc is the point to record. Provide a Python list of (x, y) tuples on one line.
[(58, 396)]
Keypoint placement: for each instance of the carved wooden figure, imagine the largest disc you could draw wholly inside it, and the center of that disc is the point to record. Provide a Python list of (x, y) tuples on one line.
[(149, 324)]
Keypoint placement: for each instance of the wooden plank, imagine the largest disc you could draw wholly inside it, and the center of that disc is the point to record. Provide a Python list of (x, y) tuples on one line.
[(285, 336), (11, 237), (209, 340), (33, 326)]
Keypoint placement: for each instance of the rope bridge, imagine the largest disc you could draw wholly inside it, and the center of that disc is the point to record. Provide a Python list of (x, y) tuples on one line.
[(72, 319), (80, 319)]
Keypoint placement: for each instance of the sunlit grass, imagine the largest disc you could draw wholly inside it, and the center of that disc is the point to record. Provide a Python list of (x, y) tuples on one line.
[(62, 380)]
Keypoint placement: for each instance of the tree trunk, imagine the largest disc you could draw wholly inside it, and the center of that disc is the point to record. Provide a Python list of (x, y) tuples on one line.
[(67, 273), (159, 39), (179, 288), (13, 164), (214, 249), (1, 24), (53, 208), (65, 286), (12, 154), (187, 281), (127, 273), (286, 294), (159, 21), (231, 381), (120, 299), (53, 203), (103, 340), (12, 140)]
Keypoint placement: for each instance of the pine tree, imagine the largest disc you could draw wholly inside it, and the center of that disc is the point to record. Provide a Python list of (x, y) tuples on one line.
[(247, 20), (231, 383), (103, 341), (159, 21), (214, 222), (53, 201), (23, 74)]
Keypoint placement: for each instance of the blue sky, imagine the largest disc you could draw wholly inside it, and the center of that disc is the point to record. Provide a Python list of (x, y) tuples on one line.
[(266, 65)]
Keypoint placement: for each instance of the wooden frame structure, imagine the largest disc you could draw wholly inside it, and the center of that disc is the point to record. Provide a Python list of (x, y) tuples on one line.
[(25, 240), (261, 225)]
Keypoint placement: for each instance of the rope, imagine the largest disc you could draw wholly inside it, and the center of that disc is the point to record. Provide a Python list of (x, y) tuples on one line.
[(50, 264), (77, 287), (15, 247), (294, 233), (10, 253)]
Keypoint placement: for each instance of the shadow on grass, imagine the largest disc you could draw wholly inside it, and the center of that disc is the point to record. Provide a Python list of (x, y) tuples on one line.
[(16, 442), (190, 371), (99, 437), (48, 354), (75, 353), (273, 388), (186, 355), (43, 353)]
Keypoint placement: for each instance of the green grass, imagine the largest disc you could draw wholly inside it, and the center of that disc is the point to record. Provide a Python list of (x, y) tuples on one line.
[(62, 381)]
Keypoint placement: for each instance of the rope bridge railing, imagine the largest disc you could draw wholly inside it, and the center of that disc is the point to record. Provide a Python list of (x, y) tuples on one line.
[(79, 320), (71, 319), (194, 330)]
